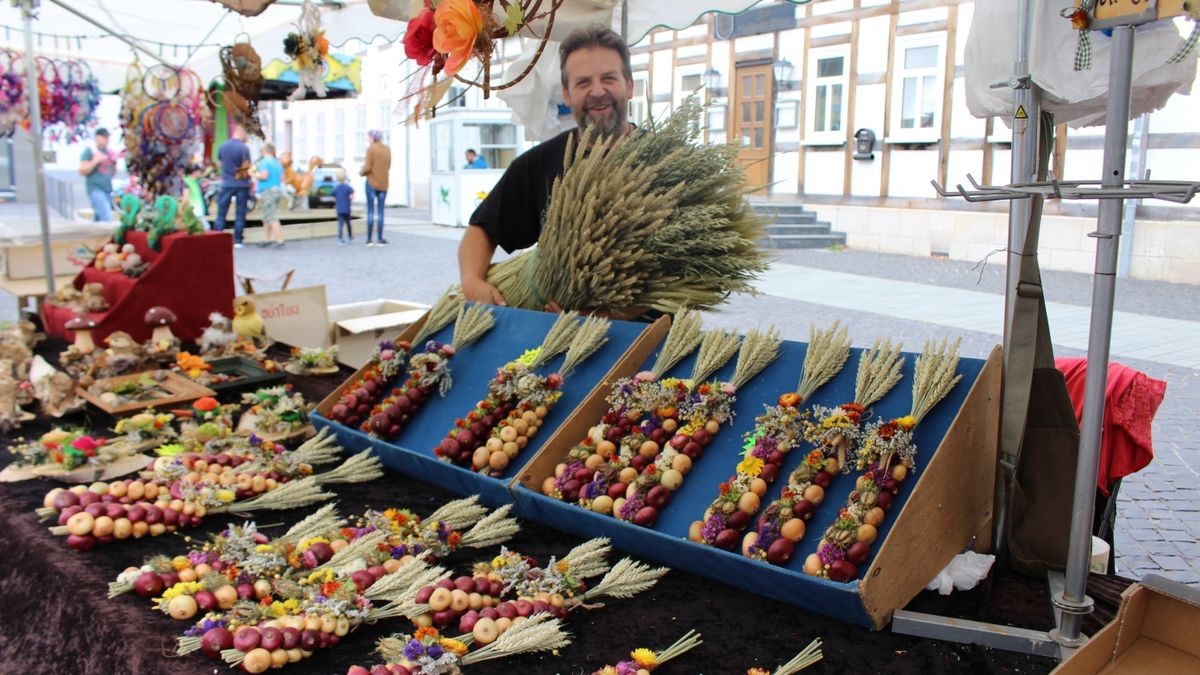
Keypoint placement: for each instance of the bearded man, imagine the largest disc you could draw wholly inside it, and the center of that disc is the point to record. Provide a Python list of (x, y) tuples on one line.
[(597, 82)]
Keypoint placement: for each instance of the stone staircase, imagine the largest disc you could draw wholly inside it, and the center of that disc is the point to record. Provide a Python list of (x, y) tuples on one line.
[(790, 226)]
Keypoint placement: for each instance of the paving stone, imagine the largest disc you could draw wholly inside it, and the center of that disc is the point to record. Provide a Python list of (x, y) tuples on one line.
[(1170, 562)]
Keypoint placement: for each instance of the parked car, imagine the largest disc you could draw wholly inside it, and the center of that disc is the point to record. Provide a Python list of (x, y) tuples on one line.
[(212, 189), (320, 196)]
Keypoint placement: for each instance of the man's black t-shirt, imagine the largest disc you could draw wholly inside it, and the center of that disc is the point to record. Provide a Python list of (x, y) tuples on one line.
[(512, 212)]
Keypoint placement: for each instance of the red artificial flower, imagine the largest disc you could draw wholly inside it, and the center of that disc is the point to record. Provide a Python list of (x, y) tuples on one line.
[(418, 39)]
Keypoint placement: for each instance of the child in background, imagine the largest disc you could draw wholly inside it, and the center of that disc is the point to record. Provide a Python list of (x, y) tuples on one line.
[(192, 191), (342, 194)]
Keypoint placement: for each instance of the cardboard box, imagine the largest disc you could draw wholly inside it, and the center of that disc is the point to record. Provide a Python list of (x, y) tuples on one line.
[(934, 516), (472, 367), (356, 328), (1153, 633), (25, 261)]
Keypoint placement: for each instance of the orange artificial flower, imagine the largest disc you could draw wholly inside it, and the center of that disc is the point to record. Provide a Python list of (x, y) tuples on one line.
[(457, 25), (205, 404)]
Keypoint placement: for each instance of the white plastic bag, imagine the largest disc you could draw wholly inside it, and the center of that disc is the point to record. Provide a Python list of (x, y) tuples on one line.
[(1077, 98), (535, 99), (963, 573)]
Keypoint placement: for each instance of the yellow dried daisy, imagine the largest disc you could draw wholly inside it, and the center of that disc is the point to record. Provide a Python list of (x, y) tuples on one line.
[(750, 466), (645, 658)]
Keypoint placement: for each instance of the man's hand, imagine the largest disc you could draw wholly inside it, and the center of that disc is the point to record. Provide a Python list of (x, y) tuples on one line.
[(479, 290)]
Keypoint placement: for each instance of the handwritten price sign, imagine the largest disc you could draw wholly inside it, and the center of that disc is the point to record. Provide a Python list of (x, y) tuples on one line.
[(1113, 12)]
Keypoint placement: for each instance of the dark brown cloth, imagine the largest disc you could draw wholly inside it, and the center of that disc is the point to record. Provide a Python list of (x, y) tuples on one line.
[(55, 618)]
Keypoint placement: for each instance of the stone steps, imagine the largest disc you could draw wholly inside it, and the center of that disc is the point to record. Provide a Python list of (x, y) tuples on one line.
[(791, 226)]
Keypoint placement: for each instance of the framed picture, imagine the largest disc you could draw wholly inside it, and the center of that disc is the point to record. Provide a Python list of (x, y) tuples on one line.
[(787, 114), (715, 118)]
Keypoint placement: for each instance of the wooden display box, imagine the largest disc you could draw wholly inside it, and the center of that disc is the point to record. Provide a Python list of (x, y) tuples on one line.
[(515, 331), (182, 390), (933, 517), (27, 261), (1153, 633)]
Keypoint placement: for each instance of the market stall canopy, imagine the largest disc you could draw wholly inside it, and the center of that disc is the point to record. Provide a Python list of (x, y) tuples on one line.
[(342, 79), (180, 32), (536, 100), (1076, 97)]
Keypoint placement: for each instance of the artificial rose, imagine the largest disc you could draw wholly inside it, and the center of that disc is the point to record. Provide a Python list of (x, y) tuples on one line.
[(458, 25), (418, 39)]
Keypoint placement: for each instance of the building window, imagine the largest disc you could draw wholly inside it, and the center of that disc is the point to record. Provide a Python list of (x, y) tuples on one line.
[(917, 87), (637, 104), (319, 146), (827, 82), (360, 131), (339, 135), (385, 120), (497, 142)]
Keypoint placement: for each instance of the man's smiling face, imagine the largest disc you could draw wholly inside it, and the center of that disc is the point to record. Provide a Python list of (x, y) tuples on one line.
[(597, 89)]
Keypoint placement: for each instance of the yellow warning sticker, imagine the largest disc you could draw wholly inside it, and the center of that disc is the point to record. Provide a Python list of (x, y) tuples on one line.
[(1021, 114)]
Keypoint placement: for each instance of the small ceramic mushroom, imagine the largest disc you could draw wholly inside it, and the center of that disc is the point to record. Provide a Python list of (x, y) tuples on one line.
[(82, 326), (160, 319)]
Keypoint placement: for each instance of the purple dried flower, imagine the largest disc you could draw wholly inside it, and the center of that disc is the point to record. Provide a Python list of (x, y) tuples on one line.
[(414, 650), (712, 527), (631, 506), (829, 553), (435, 651)]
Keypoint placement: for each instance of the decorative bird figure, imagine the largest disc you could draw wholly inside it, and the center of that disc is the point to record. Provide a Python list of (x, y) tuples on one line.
[(217, 336), (246, 321)]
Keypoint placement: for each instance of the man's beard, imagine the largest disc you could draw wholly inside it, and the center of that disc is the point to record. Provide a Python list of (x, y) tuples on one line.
[(613, 124)]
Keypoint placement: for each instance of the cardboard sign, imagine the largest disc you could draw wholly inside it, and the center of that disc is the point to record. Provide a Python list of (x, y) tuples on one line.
[(297, 316), (1112, 12)]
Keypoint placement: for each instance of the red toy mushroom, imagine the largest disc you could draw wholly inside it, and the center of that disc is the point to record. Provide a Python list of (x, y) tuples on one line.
[(82, 326), (160, 319)]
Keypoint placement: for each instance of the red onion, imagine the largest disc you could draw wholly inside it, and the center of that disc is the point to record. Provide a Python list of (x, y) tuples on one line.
[(215, 640), (270, 639), (246, 639)]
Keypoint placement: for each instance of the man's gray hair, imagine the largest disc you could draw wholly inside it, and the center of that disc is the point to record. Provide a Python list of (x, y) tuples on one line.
[(594, 35)]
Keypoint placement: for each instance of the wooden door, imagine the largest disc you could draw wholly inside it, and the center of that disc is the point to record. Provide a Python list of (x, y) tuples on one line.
[(752, 123)]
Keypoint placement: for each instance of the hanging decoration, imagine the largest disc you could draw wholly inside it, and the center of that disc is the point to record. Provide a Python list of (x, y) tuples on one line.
[(1191, 9), (447, 34), (13, 104), (308, 48), (163, 114), (246, 7), (68, 92), (243, 73), (1080, 17)]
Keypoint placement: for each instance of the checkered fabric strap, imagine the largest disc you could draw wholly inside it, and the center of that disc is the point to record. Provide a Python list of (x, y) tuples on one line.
[(1193, 10), (1080, 16)]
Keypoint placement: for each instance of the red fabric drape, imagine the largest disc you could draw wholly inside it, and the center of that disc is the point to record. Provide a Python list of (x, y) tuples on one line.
[(1130, 401)]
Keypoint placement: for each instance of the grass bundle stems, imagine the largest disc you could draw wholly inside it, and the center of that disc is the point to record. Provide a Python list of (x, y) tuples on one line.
[(652, 220)]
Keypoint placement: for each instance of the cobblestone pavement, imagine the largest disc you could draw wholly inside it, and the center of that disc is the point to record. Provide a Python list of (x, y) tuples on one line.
[(1158, 516)]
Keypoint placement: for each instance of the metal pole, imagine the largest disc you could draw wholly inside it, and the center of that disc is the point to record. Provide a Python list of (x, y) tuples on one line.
[(1025, 116), (1073, 601), (1137, 169), (625, 20), (35, 137)]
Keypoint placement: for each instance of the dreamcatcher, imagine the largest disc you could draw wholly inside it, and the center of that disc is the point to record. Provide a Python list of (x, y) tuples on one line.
[(308, 48), (243, 73), (13, 104), (163, 114)]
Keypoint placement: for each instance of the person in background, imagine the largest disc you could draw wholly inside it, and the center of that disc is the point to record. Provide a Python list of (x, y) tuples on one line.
[(376, 168), (475, 160), (98, 168), (234, 158), (342, 194), (270, 186), (193, 193)]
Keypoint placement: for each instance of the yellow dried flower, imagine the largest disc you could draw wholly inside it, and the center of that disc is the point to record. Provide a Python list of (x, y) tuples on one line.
[(645, 658), (453, 646), (750, 466)]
